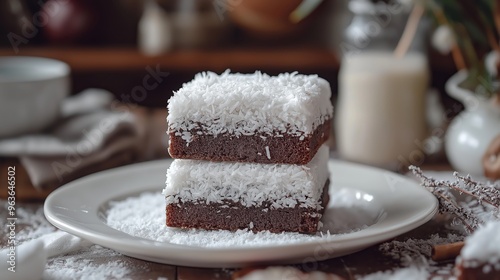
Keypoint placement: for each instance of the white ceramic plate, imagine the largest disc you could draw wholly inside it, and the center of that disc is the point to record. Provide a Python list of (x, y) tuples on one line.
[(399, 205)]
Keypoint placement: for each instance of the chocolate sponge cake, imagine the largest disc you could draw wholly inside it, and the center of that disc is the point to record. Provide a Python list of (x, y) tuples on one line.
[(250, 118), (235, 195)]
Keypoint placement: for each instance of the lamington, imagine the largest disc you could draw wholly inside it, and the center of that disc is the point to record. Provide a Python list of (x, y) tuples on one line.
[(480, 257), (236, 195), (250, 118)]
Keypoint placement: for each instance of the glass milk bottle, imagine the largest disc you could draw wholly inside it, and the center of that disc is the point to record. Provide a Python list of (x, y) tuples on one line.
[(380, 113)]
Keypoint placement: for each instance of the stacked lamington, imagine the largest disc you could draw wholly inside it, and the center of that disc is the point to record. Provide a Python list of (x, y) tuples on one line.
[(480, 257), (248, 152)]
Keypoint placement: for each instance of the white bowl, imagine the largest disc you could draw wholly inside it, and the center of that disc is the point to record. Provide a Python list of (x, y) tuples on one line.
[(31, 93)]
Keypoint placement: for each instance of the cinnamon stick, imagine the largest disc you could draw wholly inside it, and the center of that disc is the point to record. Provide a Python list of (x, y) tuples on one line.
[(446, 251)]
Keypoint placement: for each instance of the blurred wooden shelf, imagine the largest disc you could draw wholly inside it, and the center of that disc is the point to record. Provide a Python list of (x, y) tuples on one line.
[(112, 59)]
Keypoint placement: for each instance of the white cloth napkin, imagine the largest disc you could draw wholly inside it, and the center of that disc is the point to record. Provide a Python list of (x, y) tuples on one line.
[(31, 256), (88, 134)]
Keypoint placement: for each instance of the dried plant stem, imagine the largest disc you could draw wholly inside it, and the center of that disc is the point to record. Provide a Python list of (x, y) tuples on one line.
[(456, 53), (409, 31)]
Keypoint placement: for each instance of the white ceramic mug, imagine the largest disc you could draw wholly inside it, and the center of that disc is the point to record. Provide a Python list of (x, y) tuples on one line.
[(381, 110), (31, 92)]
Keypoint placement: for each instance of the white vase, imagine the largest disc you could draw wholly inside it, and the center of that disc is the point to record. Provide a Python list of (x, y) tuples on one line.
[(471, 132)]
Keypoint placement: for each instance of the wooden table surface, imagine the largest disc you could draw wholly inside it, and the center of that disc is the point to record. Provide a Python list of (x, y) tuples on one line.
[(352, 266)]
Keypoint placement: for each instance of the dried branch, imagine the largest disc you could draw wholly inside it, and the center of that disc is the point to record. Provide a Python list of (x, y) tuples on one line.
[(456, 52)]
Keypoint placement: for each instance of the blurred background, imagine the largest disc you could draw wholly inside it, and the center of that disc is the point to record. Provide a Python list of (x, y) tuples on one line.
[(108, 44)]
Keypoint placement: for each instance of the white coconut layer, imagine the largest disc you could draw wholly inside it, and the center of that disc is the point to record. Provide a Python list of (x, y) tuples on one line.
[(251, 184), (246, 104)]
